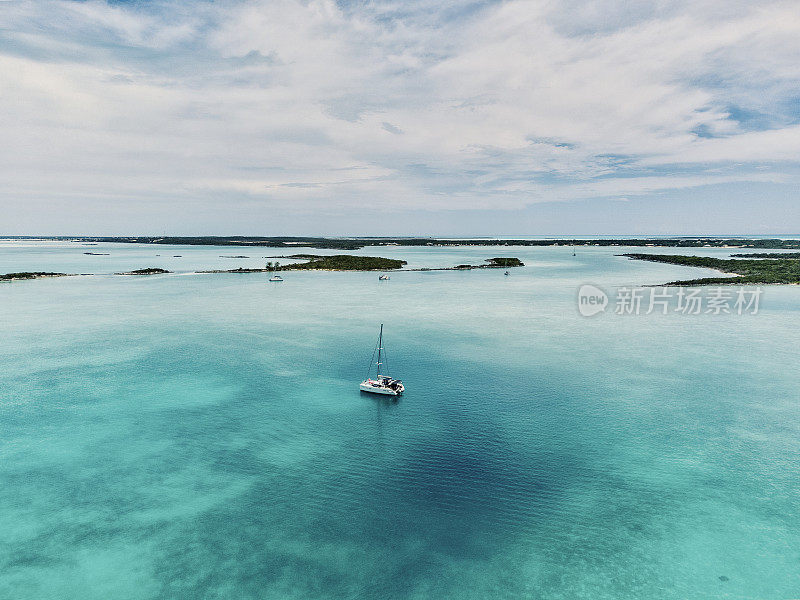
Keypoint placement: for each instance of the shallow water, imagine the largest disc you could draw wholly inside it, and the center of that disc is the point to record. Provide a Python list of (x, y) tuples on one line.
[(202, 436)]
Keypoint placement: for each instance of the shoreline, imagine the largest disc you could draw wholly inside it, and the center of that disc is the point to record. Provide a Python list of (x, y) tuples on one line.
[(29, 275), (760, 271), (736, 271), (357, 243)]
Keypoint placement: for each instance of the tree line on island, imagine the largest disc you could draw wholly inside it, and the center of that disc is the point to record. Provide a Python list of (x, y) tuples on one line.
[(748, 271), (345, 262), (495, 263), (29, 275)]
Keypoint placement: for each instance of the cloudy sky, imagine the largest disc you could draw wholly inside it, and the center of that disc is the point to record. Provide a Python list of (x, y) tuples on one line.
[(450, 117)]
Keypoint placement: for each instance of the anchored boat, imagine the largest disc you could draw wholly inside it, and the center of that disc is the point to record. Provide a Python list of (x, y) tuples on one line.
[(382, 384)]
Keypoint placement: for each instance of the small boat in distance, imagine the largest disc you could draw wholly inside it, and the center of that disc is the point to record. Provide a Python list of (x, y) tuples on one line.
[(383, 277), (382, 384), (276, 278)]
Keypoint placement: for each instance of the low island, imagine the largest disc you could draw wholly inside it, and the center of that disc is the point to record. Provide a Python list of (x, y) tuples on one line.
[(768, 255), (343, 262), (29, 275), (147, 271), (740, 271), (495, 263), (337, 262)]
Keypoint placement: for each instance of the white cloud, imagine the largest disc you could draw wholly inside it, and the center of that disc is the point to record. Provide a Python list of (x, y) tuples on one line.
[(396, 105)]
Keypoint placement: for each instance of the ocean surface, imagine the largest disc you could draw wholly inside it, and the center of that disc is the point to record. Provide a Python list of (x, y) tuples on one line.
[(202, 436)]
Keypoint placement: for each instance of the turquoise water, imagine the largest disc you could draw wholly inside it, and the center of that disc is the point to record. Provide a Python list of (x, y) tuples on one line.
[(202, 436)]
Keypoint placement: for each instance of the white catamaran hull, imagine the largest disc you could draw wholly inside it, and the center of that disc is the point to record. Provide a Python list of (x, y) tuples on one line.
[(374, 389)]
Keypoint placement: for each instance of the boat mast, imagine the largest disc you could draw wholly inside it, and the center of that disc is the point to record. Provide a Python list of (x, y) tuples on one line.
[(380, 347)]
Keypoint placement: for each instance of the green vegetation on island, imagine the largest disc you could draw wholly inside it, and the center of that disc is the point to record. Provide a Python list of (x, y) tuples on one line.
[(29, 275), (345, 262), (757, 271), (147, 271), (338, 262), (768, 255), (509, 261), (495, 263)]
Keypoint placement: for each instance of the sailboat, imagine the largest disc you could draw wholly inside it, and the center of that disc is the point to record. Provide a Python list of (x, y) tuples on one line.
[(382, 384)]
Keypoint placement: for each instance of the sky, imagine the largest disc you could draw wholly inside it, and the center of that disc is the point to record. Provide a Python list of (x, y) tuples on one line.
[(391, 117)]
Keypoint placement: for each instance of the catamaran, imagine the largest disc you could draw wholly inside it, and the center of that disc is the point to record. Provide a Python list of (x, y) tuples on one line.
[(382, 384)]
